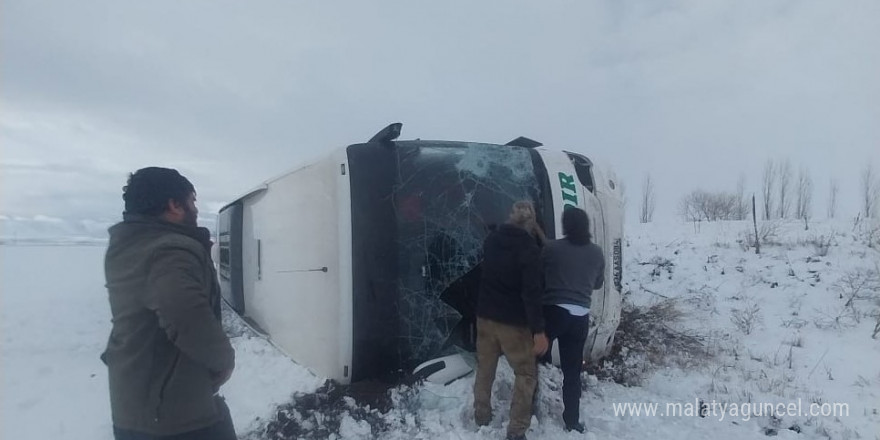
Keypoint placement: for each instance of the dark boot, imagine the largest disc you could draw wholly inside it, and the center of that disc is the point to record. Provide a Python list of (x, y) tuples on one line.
[(578, 426)]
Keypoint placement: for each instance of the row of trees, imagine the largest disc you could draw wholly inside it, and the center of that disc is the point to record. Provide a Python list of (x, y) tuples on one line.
[(784, 195), (779, 191)]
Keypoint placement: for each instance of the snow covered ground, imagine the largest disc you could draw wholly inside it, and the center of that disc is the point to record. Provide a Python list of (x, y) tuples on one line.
[(775, 328)]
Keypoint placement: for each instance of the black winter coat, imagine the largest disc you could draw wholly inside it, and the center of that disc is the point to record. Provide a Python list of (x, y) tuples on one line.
[(510, 287)]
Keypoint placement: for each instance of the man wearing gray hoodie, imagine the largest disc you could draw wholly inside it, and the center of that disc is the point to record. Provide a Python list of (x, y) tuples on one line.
[(573, 268)]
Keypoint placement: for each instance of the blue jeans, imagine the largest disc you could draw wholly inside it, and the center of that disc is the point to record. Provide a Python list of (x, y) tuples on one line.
[(571, 332)]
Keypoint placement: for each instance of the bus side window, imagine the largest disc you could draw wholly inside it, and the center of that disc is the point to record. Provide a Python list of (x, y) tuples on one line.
[(582, 166)]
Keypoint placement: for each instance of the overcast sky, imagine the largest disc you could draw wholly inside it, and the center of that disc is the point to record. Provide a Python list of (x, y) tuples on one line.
[(231, 93)]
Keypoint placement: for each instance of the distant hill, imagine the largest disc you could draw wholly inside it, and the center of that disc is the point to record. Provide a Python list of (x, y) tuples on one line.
[(41, 229)]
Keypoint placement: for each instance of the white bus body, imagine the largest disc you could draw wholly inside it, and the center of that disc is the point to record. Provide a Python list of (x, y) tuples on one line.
[(365, 264)]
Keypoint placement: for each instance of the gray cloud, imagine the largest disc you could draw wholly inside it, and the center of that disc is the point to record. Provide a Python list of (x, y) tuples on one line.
[(695, 92)]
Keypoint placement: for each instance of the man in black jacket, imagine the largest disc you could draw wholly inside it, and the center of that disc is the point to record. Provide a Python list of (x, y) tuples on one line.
[(167, 354), (509, 317)]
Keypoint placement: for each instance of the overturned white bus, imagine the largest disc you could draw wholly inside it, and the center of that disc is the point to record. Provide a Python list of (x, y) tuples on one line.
[(366, 263)]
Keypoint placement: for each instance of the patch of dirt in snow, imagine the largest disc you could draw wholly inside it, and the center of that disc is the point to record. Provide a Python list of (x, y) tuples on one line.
[(336, 411), (649, 338)]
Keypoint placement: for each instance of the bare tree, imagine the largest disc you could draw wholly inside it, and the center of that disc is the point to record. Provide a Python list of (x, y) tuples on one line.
[(742, 208), (832, 198), (646, 212), (804, 204), (870, 190), (785, 176), (701, 205), (689, 208), (768, 185)]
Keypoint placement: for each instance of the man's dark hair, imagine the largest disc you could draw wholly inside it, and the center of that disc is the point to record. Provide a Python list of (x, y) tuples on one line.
[(149, 189), (576, 226)]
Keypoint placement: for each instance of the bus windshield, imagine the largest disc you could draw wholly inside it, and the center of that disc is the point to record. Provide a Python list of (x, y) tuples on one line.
[(443, 197)]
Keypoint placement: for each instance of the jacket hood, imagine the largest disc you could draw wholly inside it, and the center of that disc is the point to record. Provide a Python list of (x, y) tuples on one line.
[(133, 225)]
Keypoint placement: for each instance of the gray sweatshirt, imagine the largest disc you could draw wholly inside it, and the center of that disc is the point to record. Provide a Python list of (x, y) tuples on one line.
[(571, 272)]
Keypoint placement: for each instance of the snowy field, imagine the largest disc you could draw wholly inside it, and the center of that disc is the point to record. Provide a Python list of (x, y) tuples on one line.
[(793, 324)]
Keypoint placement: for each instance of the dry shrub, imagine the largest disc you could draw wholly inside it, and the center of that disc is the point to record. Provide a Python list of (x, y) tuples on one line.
[(867, 230), (821, 244), (856, 287), (660, 265), (876, 332), (746, 319), (647, 340), (378, 407), (768, 234), (857, 290)]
